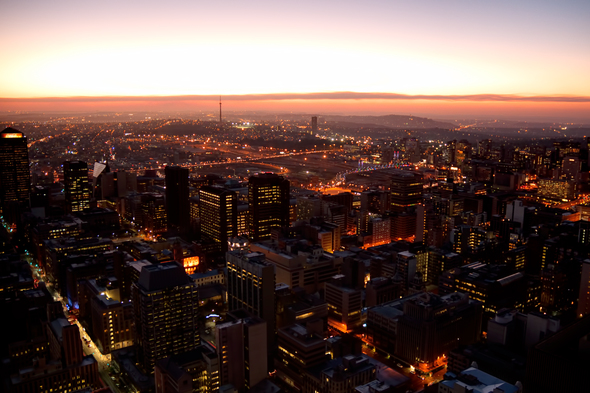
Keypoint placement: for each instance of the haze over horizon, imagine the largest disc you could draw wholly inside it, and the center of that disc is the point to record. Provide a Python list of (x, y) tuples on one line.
[(525, 60)]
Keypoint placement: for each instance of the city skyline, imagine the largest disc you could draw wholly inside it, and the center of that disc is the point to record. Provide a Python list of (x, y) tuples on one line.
[(425, 58)]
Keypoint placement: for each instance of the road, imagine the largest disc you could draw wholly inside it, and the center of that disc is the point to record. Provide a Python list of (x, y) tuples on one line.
[(417, 382), (88, 346)]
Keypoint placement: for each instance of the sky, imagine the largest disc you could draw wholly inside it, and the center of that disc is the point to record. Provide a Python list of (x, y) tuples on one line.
[(439, 58)]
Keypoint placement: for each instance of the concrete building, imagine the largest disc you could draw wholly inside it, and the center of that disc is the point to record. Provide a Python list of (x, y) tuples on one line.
[(15, 176), (476, 381), (251, 286), (340, 375), (299, 350), (242, 350), (195, 371), (165, 303), (344, 305), (218, 214), (432, 325), (268, 197), (560, 363), (177, 203), (64, 368), (299, 265), (405, 190)]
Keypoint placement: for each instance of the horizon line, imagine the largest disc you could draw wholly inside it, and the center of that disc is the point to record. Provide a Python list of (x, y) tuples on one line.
[(338, 95)]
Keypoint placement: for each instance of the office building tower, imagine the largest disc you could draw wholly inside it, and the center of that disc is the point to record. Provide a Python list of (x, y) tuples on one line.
[(196, 371), (495, 286), (405, 190), (484, 148), (242, 350), (165, 303), (177, 203), (571, 168), (299, 350), (432, 325), (251, 286), (344, 305), (300, 265), (152, 213), (218, 211), (77, 187), (309, 206), (268, 196), (314, 124), (449, 152), (112, 322), (15, 178)]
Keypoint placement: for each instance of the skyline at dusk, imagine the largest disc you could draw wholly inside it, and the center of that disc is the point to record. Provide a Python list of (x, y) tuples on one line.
[(518, 60)]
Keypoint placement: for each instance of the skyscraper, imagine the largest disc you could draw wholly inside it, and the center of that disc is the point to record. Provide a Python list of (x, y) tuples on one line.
[(15, 178), (177, 204), (165, 302), (314, 124), (268, 196), (218, 211), (77, 188), (251, 286), (405, 190)]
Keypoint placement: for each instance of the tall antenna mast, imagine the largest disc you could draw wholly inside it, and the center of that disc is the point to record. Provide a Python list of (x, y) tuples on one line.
[(219, 111)]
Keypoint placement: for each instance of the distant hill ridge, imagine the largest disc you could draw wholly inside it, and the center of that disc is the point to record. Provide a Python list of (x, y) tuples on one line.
[(391, 121)]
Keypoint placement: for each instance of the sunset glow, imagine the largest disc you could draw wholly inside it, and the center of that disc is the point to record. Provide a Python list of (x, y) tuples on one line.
[(149, 48)]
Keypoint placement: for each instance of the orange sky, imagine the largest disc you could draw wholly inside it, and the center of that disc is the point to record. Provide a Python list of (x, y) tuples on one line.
[(578, 112), (111, 48)]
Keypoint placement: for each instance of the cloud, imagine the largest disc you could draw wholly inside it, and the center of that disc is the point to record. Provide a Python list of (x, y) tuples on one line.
[(343, 95)]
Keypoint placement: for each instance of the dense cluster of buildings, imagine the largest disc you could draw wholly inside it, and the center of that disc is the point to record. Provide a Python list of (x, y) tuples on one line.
[(444, 277)]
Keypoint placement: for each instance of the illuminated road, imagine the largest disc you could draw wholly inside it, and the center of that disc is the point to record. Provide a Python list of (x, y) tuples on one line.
[(88, 346)]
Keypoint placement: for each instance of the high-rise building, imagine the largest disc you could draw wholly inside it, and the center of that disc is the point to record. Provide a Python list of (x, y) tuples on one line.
[(314, 124), (268, 196), (299, 350), (432, 325), (242, 351), (177, 203), (344, 305), (77, 187), (15, 178), (405, 190), (218, 211), (251, 286), (165, 302)]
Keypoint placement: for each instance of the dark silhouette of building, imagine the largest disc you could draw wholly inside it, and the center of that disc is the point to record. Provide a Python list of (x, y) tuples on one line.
[(15, 178), (165, 303), (314, 124), (241, 348), (268, 195), (177, 203), (560, 362), (77, 188)]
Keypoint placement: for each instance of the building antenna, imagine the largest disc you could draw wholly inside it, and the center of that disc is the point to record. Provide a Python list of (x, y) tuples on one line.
[(219, 111)]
